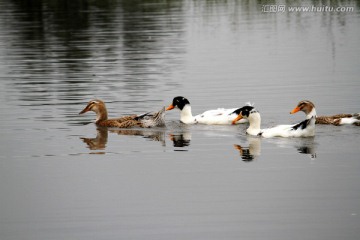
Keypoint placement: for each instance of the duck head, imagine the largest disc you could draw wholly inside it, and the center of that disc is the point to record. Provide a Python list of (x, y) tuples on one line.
[(305, 106), (250, 113), (244, 112), (98, 107), (185, 109), (178, 102)]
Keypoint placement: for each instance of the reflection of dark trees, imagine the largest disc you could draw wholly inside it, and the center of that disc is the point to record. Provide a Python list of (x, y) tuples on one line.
[(68, 46), (145, 36), (50, 30), (58, 48), (53, 44)]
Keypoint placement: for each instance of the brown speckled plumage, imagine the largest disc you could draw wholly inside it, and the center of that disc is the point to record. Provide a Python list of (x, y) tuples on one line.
[(123, 122), (334, 119)]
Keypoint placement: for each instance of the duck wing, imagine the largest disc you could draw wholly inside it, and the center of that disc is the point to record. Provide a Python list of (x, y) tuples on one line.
[(129, 124), (301, 125), (123, 124), (124, 118), (144, 116)]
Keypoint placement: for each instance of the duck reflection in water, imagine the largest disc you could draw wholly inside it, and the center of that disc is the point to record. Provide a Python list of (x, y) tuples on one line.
[(101, 139), (302, 145), (307, 146), (251, 152), (180, 139), (150, 134)]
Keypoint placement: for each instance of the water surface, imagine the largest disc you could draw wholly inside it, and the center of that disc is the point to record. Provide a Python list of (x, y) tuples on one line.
[(61, 177)]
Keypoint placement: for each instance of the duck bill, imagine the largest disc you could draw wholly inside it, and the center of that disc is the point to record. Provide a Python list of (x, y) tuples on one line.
[(86, 109), (295, 110), (237, 118), (170, 107)]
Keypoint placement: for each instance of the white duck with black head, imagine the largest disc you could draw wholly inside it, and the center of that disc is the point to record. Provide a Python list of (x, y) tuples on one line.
[(220, 116), (305, 128)]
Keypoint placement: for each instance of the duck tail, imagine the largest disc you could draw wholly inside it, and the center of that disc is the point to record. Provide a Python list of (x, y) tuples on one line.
[(142, 116), (250, 104)]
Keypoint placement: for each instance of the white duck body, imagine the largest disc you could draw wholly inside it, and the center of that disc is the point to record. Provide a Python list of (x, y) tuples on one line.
[(220, 116), (186, 115), (305, 128)]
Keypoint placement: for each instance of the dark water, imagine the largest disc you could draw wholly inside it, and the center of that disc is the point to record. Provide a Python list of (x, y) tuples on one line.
[(62, 178)]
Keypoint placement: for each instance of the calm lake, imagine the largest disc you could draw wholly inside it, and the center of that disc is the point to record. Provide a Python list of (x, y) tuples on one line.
[(61, 177)]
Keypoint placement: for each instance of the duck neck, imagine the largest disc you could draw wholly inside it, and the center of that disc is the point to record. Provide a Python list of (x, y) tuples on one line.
[(101, 115), (255, 123), (186, 115), (311, 114)]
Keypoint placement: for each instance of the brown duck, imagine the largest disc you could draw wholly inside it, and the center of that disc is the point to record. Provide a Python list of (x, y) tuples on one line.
[(339, 119), (146, 120)]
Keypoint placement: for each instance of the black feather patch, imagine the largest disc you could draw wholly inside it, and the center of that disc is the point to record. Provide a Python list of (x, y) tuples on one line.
[(245, 111), (301, 125)]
